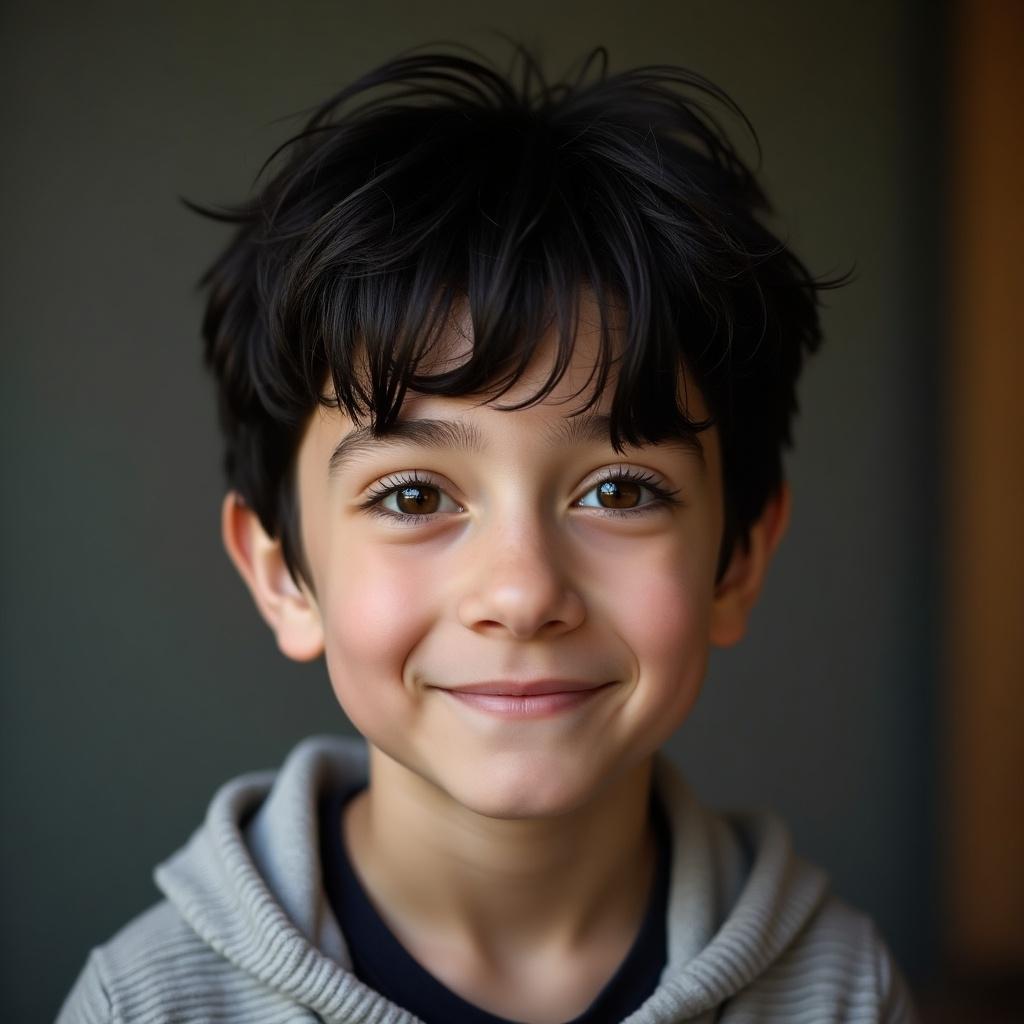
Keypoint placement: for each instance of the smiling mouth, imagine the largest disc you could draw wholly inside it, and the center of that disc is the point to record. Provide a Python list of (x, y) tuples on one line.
[(535, 699)]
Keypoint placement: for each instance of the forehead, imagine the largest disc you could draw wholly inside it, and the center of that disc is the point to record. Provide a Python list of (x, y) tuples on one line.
[(597, 333), (553, 413), (453, 346), (456, 426), (460, 434)]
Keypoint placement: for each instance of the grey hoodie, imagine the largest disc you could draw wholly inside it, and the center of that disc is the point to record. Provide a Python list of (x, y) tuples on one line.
[(246, 935)]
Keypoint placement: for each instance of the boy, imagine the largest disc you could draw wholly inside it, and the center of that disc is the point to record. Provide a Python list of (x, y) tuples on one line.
[(505, 372)]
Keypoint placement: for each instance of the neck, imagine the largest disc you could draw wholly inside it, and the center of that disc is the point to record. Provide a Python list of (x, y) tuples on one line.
[(501, 888)]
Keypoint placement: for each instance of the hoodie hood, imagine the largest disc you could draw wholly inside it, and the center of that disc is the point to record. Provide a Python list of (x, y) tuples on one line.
[(249, 885)]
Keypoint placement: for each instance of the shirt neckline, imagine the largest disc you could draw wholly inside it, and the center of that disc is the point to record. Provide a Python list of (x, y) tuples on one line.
[(382, 962)]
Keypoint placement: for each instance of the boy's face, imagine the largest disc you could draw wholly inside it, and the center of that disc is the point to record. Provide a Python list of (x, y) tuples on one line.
[(512, 567)]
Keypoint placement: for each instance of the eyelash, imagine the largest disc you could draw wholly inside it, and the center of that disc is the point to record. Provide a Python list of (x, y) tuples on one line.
[(662, 496)]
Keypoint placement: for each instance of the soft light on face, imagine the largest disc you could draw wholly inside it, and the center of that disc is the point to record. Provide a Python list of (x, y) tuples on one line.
[(510, 549)]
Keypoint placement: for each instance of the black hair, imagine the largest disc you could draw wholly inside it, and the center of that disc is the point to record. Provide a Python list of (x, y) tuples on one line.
[(435, 182)]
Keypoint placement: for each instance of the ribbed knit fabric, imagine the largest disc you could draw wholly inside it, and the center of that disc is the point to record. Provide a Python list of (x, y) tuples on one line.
[(245, 934)]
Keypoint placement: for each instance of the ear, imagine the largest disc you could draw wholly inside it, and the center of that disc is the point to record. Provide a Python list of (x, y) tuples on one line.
[(737, 591), (289, 608)]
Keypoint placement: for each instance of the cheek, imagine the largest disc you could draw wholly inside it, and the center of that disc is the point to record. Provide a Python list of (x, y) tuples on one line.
[(666, 622), (665, 619), (376, 608), (661, 602)]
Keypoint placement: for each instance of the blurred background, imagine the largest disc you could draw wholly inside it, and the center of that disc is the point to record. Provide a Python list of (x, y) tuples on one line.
[(874, 704)]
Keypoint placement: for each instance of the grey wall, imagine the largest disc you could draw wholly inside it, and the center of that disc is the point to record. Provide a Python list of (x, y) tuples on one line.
[(136, 676)]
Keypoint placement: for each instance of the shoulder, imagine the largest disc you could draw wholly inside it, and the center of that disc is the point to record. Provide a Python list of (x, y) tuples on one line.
[(834, 964), (837, 968), (756, 932), (147, 970), (242, 933)]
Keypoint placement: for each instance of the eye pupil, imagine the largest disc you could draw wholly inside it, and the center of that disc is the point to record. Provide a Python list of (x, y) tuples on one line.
[(619, 494), (418, 500)]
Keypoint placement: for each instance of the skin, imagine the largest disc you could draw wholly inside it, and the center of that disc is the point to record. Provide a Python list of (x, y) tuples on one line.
[(511, 856)]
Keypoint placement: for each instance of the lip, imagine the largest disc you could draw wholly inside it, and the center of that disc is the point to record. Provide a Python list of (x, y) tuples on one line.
[(538, 698), (530, 688)]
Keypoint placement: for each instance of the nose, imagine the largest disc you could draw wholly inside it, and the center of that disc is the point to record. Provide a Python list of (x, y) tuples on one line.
[(517, 585)]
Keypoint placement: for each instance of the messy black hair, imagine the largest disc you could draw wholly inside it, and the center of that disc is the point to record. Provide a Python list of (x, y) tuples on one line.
[(436, 185)]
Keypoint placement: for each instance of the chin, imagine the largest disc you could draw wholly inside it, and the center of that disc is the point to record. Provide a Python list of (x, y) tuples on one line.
[(518, 786)]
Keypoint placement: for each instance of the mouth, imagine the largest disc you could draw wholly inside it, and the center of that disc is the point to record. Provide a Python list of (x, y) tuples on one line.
[(539, 698)]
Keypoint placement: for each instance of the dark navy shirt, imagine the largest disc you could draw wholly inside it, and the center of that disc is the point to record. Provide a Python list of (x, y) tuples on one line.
[(380, 961)]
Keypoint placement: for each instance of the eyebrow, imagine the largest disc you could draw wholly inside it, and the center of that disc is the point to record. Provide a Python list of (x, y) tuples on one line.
[(427, 434), (579, 430), (457, 435)]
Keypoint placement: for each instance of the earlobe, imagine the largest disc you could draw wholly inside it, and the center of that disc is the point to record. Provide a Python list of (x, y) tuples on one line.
[(738, 589), (290, 609)]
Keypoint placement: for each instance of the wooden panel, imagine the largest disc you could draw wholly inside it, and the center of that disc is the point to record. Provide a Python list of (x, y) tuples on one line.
[(985, 704)]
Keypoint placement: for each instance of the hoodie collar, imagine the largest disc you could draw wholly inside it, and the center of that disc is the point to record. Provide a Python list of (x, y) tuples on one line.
[(249, 884)]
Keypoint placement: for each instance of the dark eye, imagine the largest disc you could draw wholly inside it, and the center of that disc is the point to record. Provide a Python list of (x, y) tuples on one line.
[(415, 499), (619, 494), (623, 492)]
